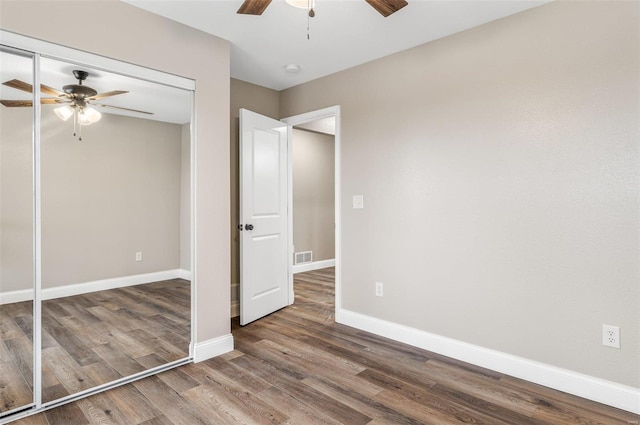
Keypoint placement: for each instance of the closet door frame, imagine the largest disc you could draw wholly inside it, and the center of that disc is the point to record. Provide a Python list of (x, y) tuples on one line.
[(36, 49)]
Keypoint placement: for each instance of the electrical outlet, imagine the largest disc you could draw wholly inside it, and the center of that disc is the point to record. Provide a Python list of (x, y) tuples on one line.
[(379, 289), (138, 256), (611, 336), (358, 202)]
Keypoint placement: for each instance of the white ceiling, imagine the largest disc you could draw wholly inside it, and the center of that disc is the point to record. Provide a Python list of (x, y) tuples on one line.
[(344, 33)]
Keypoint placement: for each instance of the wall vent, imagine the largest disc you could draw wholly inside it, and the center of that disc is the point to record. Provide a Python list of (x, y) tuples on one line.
[(303, 257)]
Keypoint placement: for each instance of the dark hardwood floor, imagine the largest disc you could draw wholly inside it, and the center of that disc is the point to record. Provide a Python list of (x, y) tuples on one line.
[(93, 339), (297, 366)]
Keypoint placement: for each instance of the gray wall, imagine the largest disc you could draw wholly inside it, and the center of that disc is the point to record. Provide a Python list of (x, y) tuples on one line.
[(500, 173), (132, 35), (313, 194)]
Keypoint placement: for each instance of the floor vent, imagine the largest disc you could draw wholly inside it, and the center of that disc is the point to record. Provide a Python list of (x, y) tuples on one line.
[(303, 257)]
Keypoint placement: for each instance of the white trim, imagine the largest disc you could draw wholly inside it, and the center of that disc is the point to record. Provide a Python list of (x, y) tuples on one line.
[(37, 238), (16, 296), (57, 51), (184, 274), (585, 386), (316, 265), (331, 111), (193, 235), (213, 348), (96, 285)]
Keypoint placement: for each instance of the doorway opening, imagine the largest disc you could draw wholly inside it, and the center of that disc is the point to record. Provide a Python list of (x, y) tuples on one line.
[(266, 198), (314, 196)]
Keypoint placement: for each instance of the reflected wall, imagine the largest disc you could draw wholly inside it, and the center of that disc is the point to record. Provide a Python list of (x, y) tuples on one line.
[(16, 236)]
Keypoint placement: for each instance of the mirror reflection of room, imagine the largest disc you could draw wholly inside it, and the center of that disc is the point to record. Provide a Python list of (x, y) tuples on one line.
[(112, 213), (16, 237), (115, 206)]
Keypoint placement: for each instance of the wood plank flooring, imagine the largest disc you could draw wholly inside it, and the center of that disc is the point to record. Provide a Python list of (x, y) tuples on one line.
[(94, 338), (297, 366)]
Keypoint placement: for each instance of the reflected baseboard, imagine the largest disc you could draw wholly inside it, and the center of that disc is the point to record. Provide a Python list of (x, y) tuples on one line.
[(96, 285), (316, 265), (235, 300)]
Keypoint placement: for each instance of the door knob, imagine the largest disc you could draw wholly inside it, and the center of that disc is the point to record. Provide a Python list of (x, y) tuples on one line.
[(248, 226)]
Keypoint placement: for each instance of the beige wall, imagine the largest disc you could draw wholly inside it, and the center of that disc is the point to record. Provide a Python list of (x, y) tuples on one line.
[(103, 199), (16, 200), (263, 101), (116, 193), (185, 198), (500, 174), (313, 194), (132, 35)]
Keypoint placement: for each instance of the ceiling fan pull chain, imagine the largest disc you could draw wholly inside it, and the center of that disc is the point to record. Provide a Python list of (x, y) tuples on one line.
[(310, 14), (75, 121)]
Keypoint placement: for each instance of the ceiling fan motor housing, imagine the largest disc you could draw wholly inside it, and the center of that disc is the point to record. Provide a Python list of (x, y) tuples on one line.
[(79, 91)]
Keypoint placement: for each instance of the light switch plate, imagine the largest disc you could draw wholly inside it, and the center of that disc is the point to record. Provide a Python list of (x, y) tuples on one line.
[(358, 202)]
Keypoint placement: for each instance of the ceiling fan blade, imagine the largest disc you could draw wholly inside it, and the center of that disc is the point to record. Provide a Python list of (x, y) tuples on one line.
[(51, 101), (52, 91), (253, 7), (118, 107), (107, 94), (20, 85), (16, 103), (387, 7), (43, 101)]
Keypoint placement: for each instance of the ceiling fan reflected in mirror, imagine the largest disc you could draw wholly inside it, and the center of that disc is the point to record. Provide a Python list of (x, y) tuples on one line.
[(257, 7), (76, 101)]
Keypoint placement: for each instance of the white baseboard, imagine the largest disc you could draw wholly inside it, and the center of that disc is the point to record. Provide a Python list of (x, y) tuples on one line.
[(184, 274), (93, 286), (585, 386), (316, 265), (16, 296), (212, 348)]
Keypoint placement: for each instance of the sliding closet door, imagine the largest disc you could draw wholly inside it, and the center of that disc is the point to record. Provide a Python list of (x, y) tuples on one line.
[(16, 231), (113, 211)]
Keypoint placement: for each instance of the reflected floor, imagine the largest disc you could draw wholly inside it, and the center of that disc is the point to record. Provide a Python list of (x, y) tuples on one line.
[(95, 338), (16, 355)]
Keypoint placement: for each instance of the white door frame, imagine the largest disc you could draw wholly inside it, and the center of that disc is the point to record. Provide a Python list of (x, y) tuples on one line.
[(332, 111)]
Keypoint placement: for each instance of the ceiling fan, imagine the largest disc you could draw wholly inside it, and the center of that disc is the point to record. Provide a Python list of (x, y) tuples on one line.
[(385, 7), (74, 98), (76, 95)]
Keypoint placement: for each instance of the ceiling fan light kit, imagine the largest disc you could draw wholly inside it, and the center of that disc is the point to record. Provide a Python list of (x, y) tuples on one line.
[(302, 4), (88, 115), (64, 112)]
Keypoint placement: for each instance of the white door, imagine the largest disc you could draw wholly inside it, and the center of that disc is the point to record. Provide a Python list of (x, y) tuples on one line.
[(263, 216)]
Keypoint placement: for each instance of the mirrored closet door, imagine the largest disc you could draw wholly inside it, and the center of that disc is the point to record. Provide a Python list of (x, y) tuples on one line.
[(16, 231), (112, 243)]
